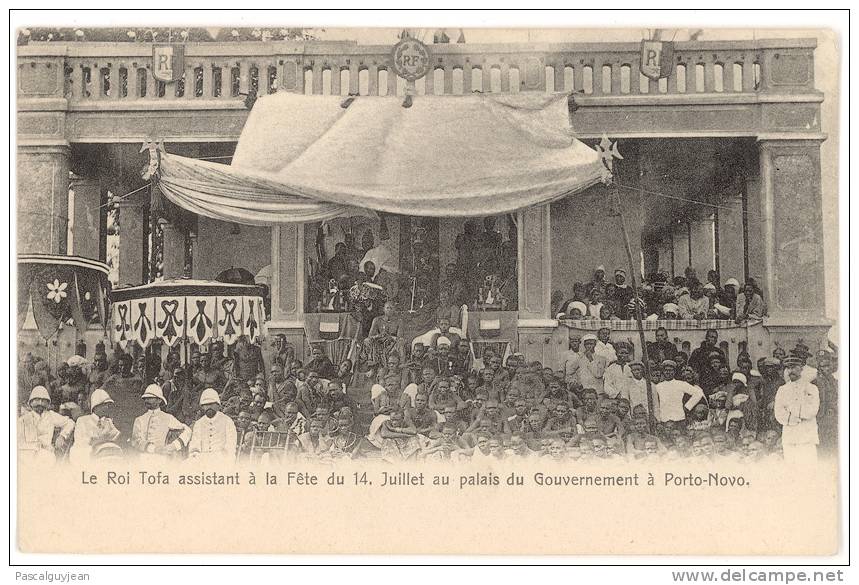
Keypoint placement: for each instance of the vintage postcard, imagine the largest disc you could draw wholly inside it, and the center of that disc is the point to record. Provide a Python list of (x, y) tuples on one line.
[(403, 290)]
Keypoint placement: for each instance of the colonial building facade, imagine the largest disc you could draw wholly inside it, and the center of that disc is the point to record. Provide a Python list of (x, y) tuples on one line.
[(721, 166)]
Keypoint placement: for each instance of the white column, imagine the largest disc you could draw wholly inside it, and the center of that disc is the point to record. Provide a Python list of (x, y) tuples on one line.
[(287, 284), (534, 262)]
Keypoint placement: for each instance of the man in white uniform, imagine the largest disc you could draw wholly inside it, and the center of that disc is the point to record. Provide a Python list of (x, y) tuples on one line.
[(634, 388), (796, 406), (37, 426), (152, 432), (592, 366), (604, 346), (92, 430), (672, 403), (618, 372), (214, 434)]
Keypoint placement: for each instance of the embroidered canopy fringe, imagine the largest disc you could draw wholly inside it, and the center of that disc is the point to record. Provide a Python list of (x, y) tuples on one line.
[(307, 158)]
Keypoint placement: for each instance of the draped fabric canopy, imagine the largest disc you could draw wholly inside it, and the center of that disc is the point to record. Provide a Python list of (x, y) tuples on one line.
[(310, 158)]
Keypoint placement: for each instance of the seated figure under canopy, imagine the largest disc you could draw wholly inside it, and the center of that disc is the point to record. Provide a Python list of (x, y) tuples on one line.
[(386, 336)]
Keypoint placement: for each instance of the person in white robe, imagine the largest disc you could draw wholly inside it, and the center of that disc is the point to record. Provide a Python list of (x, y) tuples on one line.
[(617, 372)]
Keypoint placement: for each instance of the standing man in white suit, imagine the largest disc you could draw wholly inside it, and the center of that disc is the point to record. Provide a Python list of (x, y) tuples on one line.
[(796, 406)]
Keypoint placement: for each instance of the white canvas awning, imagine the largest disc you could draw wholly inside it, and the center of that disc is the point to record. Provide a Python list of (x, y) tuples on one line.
[(309, 158)]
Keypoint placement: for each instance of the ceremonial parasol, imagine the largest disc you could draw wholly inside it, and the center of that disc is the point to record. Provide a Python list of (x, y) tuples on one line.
[(190, 311), (60, 288), (236, 276)]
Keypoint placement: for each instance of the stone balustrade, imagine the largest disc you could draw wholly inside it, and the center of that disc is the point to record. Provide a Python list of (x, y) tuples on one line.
[(91, 92), (96, 72)]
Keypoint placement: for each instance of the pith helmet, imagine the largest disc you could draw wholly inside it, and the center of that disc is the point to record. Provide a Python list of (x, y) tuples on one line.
[(39, 392), (209, 396), (154, 391)]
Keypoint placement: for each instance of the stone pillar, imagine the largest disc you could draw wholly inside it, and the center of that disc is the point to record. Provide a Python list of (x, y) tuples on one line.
[(86, 217), (535, 263), (43, 152), (665, 252), (731, 241), (43, 199), (174, 250), (703, 247), (754, 223), (287, 285), (132, 226), (536, 325), (792, 226), (681, 248)]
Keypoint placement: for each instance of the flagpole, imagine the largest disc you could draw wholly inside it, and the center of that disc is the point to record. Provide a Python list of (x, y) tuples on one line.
[(608, 152), (638, 321)]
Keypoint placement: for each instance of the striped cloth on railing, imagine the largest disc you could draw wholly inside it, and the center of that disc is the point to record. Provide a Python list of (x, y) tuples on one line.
[(670, 324)]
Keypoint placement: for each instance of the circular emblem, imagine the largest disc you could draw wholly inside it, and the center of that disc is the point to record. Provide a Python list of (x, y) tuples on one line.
[(411, 59)]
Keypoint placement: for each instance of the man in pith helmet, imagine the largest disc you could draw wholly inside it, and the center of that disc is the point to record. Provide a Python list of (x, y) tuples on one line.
[(95, 429), (43, 432), (157, 432), (214, 434)]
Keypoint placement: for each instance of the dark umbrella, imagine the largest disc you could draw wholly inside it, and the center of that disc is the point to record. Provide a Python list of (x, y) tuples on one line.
[(236, 276)]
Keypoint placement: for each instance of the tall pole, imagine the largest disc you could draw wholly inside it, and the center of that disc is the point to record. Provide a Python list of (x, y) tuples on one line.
[(745, 215), (153, 251), (608, 152), (638, 321), (153, 229)]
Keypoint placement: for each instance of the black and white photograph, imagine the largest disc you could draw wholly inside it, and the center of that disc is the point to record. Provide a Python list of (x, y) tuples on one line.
[(439, 271)]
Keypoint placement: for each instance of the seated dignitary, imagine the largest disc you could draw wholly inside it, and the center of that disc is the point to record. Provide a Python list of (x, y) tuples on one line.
[(95, 429), (157, 433), (214, 434), (43, 433)]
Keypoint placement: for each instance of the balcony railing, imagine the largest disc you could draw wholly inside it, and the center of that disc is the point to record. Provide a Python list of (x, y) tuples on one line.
[(96, 72)]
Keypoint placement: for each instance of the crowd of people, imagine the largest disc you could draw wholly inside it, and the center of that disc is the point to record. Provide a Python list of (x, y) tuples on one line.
[(360, 278), (434, 400), (683, 297)]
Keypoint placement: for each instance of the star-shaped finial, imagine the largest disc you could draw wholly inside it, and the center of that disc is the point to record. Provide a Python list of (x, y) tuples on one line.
[(608, 152)]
